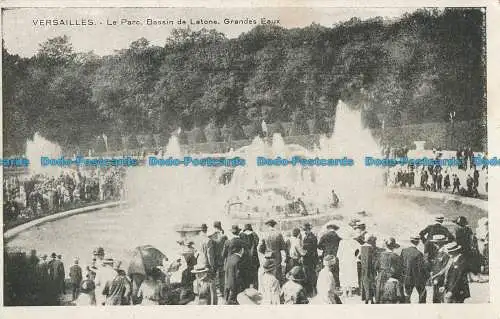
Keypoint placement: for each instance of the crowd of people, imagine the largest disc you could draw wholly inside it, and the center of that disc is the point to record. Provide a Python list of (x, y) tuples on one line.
[(302, 267), (464, 179), (41, 194)]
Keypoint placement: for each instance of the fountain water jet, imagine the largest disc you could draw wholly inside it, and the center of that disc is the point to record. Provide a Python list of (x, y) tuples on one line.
[(38, 147)]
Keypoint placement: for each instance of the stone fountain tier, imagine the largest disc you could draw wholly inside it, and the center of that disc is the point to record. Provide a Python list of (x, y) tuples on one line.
[(286, 224)]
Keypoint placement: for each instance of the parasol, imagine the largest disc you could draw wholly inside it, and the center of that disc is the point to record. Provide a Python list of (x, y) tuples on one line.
[(145, 259)]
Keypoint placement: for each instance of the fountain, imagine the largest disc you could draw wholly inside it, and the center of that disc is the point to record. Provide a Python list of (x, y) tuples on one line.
[(160, 198), (39, 147)]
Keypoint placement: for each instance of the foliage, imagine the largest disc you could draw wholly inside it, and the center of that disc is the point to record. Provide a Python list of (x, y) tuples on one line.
[(412, 70)]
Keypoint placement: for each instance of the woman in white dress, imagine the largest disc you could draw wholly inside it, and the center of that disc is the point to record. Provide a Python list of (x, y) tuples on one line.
[(348, 258)]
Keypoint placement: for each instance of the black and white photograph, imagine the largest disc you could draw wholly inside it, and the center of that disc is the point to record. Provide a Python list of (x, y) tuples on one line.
[(245, 156)]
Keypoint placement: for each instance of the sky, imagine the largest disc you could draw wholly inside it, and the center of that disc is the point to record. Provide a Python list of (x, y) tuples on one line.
[(23, 35)]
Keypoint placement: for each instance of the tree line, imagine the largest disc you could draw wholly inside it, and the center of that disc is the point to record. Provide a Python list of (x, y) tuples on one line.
[(416, 69)]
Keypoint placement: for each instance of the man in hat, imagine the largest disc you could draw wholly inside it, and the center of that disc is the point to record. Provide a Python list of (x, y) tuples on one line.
[(329, 244), (434, 229), (367, 256), (436, 259), (464, 238), (295, 249), (327, 286), (414, 272), (118, 290), (206, 249), (219, 240), (269, 286), (75, 278), (388, 265), (233, 284), (292, 291), (456, 284), (251, 241), (99, 256), (56, 272), (63, 274), (310, 259), (273, 241), (204, 286), (330, 240)]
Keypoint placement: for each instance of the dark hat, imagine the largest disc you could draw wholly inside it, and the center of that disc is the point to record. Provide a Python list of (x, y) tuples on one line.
[(271, 222), (439, 218), (108, 261), (199, 269), (461, 221), (307, 226), (361, 213), (391, 243), (99, 251), (332, 226), (452, 247), (354, 222), (248, 227), (269, 265), (371, 239), (359, 225), (235, 229), (204, 227), (59, 256), (415, 238), (217, 224), (53, 255), (296, 274)]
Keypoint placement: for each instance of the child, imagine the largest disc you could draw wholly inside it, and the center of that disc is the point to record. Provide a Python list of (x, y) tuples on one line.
[(204, 286), (87, 291), (292, 291)]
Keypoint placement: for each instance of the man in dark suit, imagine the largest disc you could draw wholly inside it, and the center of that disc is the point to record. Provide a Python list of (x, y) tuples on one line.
[(414, 272), (252, 241), (273, 242), (310, 259), (435, 229), (239, 240), (233, 285), (456, 284), (219, 240), (329, 244), (56, 272), (75, 276), (206, 249)]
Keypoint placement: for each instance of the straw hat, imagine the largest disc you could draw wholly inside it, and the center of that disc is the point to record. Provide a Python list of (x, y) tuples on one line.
[(199, 269), (438, 238), (452, 248)]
